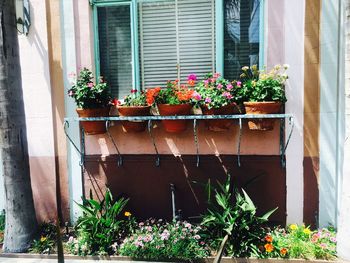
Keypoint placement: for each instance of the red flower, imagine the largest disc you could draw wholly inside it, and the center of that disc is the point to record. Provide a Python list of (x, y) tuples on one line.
[(116, 102)]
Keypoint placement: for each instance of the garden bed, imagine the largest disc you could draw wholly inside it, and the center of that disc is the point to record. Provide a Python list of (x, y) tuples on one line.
[(205, 260)]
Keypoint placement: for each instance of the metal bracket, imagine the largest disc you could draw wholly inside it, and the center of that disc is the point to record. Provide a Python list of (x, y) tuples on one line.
[(239, 143), (153, 142), (283, 143), (196, 141), (120, 158), (82, 142)]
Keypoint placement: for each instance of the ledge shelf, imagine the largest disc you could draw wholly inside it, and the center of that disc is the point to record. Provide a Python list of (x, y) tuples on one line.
[(284, 141)]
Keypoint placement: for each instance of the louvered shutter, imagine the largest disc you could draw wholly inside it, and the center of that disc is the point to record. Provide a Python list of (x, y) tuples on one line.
[(196, 30), (115, 48), (157, 33), (241, 35), (172, 33)]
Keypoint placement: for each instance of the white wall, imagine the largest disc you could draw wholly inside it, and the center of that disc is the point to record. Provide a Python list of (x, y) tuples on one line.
[(344, 216)]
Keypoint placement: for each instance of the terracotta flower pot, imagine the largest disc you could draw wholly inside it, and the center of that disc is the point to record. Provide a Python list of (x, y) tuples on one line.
[(220, 125), (94, 127), (172, 110), (134, 126), (268, 107)]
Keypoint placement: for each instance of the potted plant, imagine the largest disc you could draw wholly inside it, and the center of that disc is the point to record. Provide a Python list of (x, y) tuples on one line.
[(135, 104), (263, 93), (217, 96), (174, 100), (92, 99)]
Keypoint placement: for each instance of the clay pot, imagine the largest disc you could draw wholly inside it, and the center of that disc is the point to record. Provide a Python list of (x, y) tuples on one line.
[(220, 125), (268, 107), (173, 110), (134, 126), (93, 127)]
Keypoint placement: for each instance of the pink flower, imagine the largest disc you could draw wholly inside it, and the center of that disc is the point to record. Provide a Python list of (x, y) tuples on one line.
[(197, 96), (207, 100), (197, 237), (229, 86), (323, 245), (219, 86), (239, 84), (70, 93), (192, 77), (206, 82), (216, 75), (333, 239), (227, 95), (90, 85)]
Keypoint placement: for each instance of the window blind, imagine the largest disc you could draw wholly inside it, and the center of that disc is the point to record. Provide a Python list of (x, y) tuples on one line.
[(241, 35), (177, 38), (114, 33)]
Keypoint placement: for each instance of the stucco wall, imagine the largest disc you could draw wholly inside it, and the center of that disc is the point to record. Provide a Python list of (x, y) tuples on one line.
[(344, 222), (38, 108)]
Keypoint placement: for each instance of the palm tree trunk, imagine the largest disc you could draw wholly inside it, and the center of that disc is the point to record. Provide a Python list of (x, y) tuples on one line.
[(21, 224)]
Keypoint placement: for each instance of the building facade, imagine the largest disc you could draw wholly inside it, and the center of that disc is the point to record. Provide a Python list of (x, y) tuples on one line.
[(140, 44)]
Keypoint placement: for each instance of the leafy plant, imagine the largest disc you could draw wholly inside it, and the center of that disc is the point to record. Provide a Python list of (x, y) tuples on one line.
[(100, 226), (261, 86), (87, 94), (231, 224), (156, 240), (215, 91), (173, 94), (2, 226), (299, 242), (46, 244), (135, 98)]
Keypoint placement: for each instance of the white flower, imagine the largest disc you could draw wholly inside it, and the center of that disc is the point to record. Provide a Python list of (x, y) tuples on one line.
[(285, 66)]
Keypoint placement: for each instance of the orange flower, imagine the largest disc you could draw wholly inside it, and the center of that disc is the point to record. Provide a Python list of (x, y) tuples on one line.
[(283, 251), (269, 248), (151, 94), (268, 238)]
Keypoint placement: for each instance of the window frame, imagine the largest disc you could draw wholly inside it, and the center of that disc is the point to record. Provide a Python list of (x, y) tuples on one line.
[(219, 35)]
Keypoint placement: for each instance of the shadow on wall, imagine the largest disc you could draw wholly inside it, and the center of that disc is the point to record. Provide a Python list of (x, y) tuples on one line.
[(148, 186)]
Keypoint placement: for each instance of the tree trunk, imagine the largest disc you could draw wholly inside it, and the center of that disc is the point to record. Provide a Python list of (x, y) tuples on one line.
[(21, 224)]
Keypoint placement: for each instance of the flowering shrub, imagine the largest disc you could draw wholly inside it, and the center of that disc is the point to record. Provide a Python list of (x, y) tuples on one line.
[(173, 94), (215, 91), (156, 240), (135, 98), (262, 85), (87, 94), (299, 242), (47, 242)]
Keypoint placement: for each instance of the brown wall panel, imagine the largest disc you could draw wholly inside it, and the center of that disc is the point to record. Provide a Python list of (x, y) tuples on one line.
[(148, 186)]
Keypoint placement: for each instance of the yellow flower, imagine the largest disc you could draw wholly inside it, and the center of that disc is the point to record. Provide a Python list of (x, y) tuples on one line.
[(293, 227), (307, 231), (127, 214), (42, 239), (254, 67)]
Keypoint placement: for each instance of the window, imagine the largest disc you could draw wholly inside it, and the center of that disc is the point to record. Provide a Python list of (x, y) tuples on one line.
[(144, 43), (241, 35), (114, 32)]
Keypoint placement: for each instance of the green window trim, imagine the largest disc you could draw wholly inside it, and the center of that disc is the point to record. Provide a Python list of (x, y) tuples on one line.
[(134, 36), (219, 35)]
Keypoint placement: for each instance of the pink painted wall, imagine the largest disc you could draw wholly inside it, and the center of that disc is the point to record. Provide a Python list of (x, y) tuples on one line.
[(253, 143), (38, 109)]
